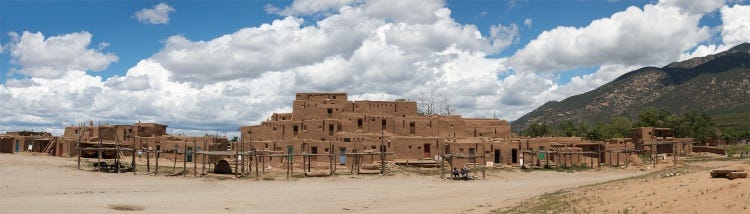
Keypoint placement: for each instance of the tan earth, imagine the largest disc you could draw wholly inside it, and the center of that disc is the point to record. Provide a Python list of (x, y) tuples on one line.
[(686, 188), (32, 183)]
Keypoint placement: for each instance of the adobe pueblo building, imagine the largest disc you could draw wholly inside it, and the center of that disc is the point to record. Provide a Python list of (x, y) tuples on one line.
[(328, 123)]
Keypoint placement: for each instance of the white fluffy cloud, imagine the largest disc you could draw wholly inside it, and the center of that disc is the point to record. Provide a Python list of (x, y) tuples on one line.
[(735, 30), (736, 24), (54, 56), (159, 14), (377, 50), (654, 35), (354, 37), (308, 7)]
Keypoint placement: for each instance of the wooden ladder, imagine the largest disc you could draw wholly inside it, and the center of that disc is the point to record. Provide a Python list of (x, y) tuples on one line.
[(48, 149)]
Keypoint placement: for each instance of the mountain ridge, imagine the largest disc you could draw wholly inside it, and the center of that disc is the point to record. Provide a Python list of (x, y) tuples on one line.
[(717, 84)]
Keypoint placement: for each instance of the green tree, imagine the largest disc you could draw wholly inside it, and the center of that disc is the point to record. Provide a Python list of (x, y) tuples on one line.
[(537, 130), (620, 126), (656, 117), (568, 129), (696, 124), (600, 131)]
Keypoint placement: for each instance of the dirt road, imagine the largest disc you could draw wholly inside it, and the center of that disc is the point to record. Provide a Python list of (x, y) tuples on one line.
[(42, 184)]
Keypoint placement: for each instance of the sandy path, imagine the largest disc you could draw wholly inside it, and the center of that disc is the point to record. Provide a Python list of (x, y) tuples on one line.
[(42, 184)]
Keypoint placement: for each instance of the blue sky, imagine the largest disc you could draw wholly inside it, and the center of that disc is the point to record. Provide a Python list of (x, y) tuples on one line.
[(112, 22), (229, 63)]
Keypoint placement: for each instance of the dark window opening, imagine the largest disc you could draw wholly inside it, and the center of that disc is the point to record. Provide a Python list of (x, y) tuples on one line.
[(412, 128), (346, 139), (359, 123)]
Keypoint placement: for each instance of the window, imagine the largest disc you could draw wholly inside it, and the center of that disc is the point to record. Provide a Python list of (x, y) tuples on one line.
[(346, 139), (359, 123), (412, 128)]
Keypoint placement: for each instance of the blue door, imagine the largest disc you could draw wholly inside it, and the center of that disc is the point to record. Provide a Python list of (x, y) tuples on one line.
[(342, 156), (17, 146)]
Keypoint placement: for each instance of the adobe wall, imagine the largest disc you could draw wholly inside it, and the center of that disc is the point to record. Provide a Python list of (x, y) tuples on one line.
[(320, 120)]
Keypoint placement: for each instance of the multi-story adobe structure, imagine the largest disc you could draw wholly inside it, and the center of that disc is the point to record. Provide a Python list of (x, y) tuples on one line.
[(143, 136), (25, 141), (325, 123), (660, 140)]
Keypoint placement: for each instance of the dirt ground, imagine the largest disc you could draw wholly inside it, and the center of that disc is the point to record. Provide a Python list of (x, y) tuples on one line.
[(34, 183), (685, 188)]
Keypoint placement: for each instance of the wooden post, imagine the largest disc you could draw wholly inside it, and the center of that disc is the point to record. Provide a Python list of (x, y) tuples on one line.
[(236, 156), (156, 169), (627, 156), (330, 155), (99, 152), (117, 156), (79, 157), (655, 151), (133, 160), (174, 164), (599, 156), (484, 161), (618, 158), (291, 163), (674, 153), (203, 164), (78, 146), (148, 161), (257, 174), (442, 167), (195, 159), (382, 153), (242, 150)]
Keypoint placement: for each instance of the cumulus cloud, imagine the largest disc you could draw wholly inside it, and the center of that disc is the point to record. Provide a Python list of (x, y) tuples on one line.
[(377, 50), (735, 30), (54, 56), (159, 14), (694, 6), (308, 7), (736, 24), (654, 35), (352, 37)]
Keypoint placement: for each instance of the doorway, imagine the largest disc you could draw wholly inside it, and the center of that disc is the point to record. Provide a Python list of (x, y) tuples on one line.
[(314, 151), (426, 149), (189, 155), (498, 158), (514, 156), (342, 155)]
